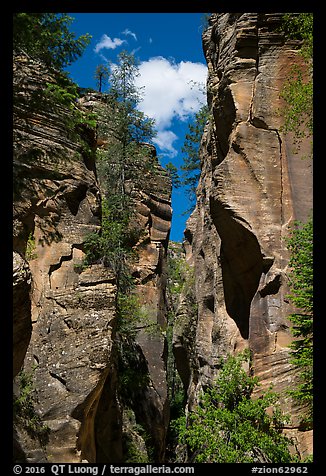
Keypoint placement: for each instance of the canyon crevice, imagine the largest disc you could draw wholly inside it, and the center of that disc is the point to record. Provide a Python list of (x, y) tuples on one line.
[(102, 396)]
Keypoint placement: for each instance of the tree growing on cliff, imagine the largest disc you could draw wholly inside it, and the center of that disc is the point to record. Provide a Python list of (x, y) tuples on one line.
[(229, 426), (131, 125), (122, 165), (46, 37), (173, 174), (191, 160), (300, 245), (298, 88), (126, 129), (113, 245), (101, 75), (298, 94)]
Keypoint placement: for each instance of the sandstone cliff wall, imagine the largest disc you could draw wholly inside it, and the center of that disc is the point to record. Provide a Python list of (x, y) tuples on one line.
[(252, 187), (64, 315)]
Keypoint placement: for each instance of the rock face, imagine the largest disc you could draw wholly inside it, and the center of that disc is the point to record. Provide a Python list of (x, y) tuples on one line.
[(66, 314), (151, 195), (101, 395), (252, 186), (22, 323)]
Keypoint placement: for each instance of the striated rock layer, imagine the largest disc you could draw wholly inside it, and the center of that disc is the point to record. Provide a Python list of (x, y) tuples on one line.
[(252, 186), (65, 315)]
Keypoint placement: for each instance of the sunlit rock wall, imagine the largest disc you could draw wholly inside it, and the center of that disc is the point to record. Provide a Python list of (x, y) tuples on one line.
[(253, 185), (65, 314)]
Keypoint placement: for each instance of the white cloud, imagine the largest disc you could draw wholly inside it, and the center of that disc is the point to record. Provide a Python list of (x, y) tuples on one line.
[(130, 33), (107, 42), (164, 140), (136, 50), (170, 92)]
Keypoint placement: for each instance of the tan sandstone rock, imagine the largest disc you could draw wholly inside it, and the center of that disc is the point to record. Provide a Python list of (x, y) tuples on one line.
[(252, 186), (72, 353)]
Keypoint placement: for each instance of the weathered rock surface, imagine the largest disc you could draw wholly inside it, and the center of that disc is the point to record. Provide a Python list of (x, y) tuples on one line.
[(56, 204), (151, 195), (153, 214), (251, 188), (73, 348), (22, 323)]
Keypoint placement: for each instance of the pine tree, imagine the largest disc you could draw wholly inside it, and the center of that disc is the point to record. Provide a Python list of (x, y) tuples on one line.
[(300, 245), (191, 162), (173, 174), (122, 166), (101, 75), (128, 129), (229, 426), (46, 36)]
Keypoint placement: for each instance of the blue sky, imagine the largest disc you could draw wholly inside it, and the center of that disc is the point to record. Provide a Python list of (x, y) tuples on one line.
[(172, 66)]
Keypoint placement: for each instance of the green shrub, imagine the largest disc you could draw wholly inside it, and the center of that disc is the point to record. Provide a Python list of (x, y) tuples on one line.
[(113, 246), (180, 275), (300, 244), (30, 252), (228, 426), (24, 409), (298, 88)]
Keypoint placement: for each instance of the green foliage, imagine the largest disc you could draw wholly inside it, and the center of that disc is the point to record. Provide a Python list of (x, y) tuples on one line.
[(298, 93), (61, 95), (300, 27), (133, 374), (298, 89), (101, 75), (191, 162), (88, 119), (113, 245), (130, 124), (126, 159), (24, 409), (176, 391), (180, 281), (176, 275), (300, 245), (136, 442), (132, 367), (122, 166), (30, 252), (133, 380), (127, 314), (228, 426), (134, 454), (64, 94), (46, 36), (176, 399), (131, 315), (173, 174), (180, 275)]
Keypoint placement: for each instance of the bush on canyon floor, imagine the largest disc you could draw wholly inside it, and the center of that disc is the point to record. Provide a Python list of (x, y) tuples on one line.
[(229, 426)]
